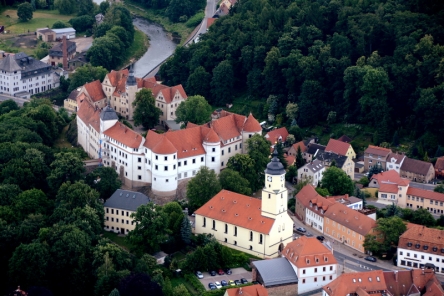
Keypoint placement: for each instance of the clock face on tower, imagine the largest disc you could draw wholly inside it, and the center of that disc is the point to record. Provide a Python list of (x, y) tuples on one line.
[(269, 179)]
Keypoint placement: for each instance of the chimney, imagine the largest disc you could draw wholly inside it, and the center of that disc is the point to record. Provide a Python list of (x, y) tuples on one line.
[(65, 53), (396, 276)]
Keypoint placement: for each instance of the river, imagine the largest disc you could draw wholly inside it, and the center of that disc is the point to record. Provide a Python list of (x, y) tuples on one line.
[(161, 46)]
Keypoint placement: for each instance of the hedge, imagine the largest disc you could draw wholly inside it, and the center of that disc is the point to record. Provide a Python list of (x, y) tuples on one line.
[(197, 285)]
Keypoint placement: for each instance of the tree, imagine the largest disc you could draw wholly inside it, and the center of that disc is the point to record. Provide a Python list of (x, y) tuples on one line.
[(167, 288), (181, 290), (104, 6), (185, 230), (105, 180), (66, 6), (374, 170), (114, 292), (194, 109), (202, 188), (291, 139), (245, 166), (300, 161), (86, 74), (233, 181), (32, 201), (145, 113), (151, 229), (390, 229), (106, 52), (337, 182), (222, 84), (292, 173), (439, 188), (146, 264), (364, 181), (24, 12), (372, 244), (59, 25), (198, 82), (322, 191), (291, 110), (393, 210), (423, 217), (83, 23), (395, 141), (259, 151), (139, 284), (66, 167), (85, 7), (280, 149), (7, 106)]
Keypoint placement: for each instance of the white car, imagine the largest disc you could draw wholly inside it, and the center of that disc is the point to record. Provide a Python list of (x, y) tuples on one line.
[(218, 285), (199, 274)]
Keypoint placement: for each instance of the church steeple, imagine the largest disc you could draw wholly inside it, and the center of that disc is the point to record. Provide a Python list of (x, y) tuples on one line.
[(131, 80), (274, 194)]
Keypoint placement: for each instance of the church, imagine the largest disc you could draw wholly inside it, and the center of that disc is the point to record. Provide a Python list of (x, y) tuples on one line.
[(261, 227)]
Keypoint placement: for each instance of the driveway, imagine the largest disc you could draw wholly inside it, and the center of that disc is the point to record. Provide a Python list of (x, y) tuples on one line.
[(237, 274), (83, 43)]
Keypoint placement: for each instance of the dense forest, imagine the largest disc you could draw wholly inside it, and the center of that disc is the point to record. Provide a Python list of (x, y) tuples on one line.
[(372, 62)]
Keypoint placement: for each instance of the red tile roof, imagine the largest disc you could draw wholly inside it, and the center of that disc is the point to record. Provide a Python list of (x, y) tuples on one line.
[(320, 205), (362, 282), (424, 236), (308, 252), (89, 114), (278, 134), (389, 188), (427, 194), (164, 146), (390, 176), (299, 144), (350, 218), (95, 91), (254, 290), (226, 128), (252, 125), (124, 135), (439, 165), (337, 147), (210, 21), (237, 209), (118, 80), (377, 150), (306, 194), (290, 159)]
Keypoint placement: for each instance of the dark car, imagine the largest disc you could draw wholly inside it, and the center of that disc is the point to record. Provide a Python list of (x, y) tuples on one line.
[(301, 229), (370, 258), (320, 238), (237, 282), (212, 273), (212, 286), (220, 271), (224, 283), (227, 271), (244, 280), (308, 234)]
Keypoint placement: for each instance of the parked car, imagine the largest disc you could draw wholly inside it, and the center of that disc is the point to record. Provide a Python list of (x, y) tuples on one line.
[(227, 271), (212, 286), (199, 275), (220, 271), (231, 283), (301, 229), (237, 282), (308, 234), (255, 283), (370, 258), (212, 273), (218, 285), (244, 280), (224, 283), (320, 238)]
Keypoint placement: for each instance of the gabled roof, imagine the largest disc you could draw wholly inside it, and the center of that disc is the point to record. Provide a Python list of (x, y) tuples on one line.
[(398, 157), (276, 135), (226, 127), (124, 135), (349, 218), (337, 147), (210, 21), (390, 177), (73, 94), (168, 93), (399, 282), (308, 252), (306, 194), (299, 144), (416, 166), (388, 187), (376, 150), (59, 46), (126, 200), (314, 166), (328, 157), (313, 148), (254, 290), (428, 194), (364, 282), (439, 165), (290, 159), (423, 236), (95, 91), (237, 209), (277, 271)]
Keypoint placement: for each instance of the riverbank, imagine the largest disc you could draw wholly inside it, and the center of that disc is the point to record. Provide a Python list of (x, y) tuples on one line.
[(137, 49), (155, 15)]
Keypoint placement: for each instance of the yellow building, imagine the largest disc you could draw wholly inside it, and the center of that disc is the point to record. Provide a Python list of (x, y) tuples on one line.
[(118, 210), (259, 227)]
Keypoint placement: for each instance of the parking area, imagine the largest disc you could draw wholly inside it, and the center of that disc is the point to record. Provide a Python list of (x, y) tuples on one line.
[(237, 274)]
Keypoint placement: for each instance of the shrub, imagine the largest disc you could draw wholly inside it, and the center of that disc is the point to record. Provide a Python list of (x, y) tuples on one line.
[(195, 20), (197, 285)]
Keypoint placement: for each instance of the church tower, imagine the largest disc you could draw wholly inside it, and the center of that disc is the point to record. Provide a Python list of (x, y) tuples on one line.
[(131, 90), (274, 194)]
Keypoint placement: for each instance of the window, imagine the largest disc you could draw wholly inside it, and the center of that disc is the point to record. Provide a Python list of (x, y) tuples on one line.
[(139, 159), (226, 228), (222, 151), (260, 239), (229, 149), (194, 160), (331, 267), (185, 162), (166, 158), (157, 157), (316, 279), (303, 271), (214, 224), (204, 222), (303, 281), (166, 168), (323, 268), (179, 163), (251, 235), (213, 159), (139, 177), (201, 159), (316, 270), (213, 149), (107, 210), (156, 167), (235, 231), (139, 168), (117, 212)]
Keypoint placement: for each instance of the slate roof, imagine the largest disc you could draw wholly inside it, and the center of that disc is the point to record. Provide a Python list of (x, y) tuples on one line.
[(328, 157), (126, 200), (398, 157), (277, 271), (8, 64), (73, 94), (416, 166), (315, 166), (108, 113), (237, 209), (313, 148), (345, 139)]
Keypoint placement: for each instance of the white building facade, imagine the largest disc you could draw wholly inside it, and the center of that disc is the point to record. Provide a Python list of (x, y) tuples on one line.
[(314, 215), (312, 172)]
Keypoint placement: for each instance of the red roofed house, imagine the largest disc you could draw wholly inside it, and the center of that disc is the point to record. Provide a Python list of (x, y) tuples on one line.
[(394, 189), (294, 149), (417, 170), (375, 155), (254, 290), (439, 167), (313, 263), (341, 148), (261, 227), (277, 135), (303, 198)]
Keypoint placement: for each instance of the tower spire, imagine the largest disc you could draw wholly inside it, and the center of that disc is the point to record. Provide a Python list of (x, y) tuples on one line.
[(131, 80)]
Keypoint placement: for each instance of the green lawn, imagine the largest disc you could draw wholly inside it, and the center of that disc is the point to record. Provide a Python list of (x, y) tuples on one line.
[(120, 240), (156, 15), (41, 19), (137, 49)]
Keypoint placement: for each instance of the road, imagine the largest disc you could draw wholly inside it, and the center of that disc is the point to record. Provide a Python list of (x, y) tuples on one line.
[(19, 101), (210, 9)]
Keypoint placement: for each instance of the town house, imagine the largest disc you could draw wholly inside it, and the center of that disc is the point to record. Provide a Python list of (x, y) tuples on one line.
[(375, 155), (341, 148), (311, 172), (417, 170)]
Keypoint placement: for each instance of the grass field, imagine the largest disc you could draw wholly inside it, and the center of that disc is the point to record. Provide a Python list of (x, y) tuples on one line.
[(156, 15), (120, 240), (40, 19)]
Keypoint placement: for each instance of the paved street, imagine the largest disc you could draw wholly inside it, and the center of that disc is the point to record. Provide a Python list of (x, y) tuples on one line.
[(19, 101)]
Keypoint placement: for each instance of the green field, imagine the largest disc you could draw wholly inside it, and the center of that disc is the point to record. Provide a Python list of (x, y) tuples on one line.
[(156, 15), (40, 19)]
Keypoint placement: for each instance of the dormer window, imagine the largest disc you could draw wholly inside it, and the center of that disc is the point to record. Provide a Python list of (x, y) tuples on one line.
[(435, 249), (409, 244), (425, 247), (417, 246)]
